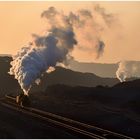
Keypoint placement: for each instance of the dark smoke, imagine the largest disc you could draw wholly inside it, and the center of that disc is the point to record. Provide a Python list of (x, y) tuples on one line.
[(100, 48)]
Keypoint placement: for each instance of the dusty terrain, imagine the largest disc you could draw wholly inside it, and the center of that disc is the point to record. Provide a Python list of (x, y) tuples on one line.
[(115, 109), (112, 109)]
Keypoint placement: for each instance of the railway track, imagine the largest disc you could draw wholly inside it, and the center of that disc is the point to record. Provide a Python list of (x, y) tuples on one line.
[(81, 129)]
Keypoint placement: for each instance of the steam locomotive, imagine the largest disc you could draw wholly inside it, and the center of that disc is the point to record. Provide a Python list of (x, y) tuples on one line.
[(23, 100)]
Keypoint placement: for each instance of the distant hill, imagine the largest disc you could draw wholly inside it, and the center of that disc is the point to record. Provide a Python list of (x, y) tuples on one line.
[(100, 69), (59, 76), (7, 82), (4, 64), (73, 78), (104, 70)]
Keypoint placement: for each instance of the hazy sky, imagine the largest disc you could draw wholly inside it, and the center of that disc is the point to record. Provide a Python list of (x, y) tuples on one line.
[(20, 19)]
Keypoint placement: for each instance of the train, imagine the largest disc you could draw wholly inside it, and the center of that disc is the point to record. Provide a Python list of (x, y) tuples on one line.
[(21, 99)]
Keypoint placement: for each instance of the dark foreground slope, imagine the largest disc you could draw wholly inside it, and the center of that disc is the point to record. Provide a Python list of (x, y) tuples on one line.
[(18, 125), (115, 109)]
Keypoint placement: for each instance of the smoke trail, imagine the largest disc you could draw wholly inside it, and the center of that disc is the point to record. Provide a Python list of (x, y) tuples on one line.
[(108, 17), (85, 25), (128, 69), (64, 32)]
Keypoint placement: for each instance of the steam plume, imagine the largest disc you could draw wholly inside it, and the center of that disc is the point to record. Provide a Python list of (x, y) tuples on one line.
[(31, 62), (63, 34), (128, 69)]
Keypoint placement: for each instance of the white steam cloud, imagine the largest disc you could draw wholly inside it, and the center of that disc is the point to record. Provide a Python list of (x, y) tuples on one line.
[(128, 69), (29, 64), (63, 34)]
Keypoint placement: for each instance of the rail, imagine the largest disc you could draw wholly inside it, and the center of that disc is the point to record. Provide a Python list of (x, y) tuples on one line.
[(87, 130)]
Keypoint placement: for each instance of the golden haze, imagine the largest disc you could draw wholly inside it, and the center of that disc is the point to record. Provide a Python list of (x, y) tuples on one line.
[(20, 19)]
